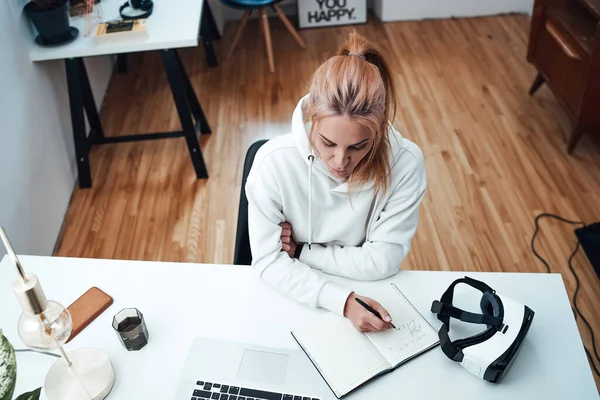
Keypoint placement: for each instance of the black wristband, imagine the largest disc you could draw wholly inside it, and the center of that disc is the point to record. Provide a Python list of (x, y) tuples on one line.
[(298, 251)]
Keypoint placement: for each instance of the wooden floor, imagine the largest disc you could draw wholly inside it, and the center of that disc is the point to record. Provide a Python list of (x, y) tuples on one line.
[(495, 157)]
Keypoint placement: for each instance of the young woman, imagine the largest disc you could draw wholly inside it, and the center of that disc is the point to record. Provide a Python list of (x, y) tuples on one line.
[(340, 194)]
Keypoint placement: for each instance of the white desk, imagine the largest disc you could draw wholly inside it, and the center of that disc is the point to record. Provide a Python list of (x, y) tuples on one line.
[(173, 24), (183, 301)]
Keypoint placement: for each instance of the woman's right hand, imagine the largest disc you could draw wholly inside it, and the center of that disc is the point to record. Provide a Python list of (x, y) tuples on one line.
[(364, 320), (287, 241)]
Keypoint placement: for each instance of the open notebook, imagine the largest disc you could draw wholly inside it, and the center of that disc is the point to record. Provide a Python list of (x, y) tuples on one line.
[(347, 358)]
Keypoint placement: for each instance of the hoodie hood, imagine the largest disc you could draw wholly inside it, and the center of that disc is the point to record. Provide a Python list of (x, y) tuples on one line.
[(300, 134)]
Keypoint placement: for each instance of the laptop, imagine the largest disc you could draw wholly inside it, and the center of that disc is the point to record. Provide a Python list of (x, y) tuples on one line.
[(224, 370)]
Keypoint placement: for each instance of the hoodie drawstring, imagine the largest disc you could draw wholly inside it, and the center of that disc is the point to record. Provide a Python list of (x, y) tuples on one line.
[(311, 158)]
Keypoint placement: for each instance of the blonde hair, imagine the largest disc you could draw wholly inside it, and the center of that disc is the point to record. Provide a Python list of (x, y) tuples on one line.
[(357, 83)]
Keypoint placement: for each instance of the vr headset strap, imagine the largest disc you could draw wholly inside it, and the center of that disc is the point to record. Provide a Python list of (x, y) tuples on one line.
[(449, 349), (445, 310)]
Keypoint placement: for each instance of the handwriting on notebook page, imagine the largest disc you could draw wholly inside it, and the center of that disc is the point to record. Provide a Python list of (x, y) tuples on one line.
[(396, 344), (412, 333), (412, 327)]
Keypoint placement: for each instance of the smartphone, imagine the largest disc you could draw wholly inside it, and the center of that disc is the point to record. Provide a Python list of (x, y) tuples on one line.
[(87, 308)]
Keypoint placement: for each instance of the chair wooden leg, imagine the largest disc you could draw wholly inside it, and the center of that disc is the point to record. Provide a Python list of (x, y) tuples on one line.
[(238, 34), (265, 23), (289, 26)]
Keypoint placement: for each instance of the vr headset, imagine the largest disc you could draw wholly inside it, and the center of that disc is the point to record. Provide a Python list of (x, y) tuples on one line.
[(489, 354)]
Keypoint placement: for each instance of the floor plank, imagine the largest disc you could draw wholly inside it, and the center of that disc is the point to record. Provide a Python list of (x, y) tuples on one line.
[(495, 157)]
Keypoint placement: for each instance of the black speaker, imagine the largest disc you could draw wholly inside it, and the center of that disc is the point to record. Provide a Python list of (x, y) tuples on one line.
[(589, 238)]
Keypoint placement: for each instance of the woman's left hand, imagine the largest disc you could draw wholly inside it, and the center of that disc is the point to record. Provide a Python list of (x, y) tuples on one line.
[(287, 242)]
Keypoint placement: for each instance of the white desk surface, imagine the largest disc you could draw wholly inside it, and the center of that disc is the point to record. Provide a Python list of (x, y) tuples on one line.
[(182, 301), (173, 24)]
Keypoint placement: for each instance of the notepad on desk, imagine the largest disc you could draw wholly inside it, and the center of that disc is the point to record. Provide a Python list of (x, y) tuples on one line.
[(124, 31), (347, 358)]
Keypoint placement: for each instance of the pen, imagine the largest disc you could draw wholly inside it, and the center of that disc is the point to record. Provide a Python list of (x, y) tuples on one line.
[(371, 310)]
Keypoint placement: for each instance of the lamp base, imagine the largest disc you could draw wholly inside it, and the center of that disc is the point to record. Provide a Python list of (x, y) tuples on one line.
[(90, 377)]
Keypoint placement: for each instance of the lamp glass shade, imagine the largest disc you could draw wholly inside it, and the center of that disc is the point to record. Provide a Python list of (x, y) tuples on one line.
[(46, 330)]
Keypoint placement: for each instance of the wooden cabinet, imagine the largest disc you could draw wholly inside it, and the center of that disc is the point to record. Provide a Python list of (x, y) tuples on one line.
[(564, 46)]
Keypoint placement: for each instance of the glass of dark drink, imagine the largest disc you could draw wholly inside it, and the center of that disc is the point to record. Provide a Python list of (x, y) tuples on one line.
[(131, 328)]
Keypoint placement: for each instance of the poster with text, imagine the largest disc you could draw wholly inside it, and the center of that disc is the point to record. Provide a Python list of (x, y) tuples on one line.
[(319, 13)]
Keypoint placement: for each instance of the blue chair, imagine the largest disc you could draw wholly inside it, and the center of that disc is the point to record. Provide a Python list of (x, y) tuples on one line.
[(261, 5)]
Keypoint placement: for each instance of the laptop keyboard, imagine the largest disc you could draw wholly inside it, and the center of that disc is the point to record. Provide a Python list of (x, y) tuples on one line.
[(217, 391)]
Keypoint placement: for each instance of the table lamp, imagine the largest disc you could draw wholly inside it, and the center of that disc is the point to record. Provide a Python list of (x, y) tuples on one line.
[(82, 374)]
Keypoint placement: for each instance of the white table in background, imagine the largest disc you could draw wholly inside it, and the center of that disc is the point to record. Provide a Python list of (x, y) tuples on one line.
[(183, 301), (173, 24)]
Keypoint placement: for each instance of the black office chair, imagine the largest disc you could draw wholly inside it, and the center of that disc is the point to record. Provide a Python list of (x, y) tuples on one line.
[(243, 255)]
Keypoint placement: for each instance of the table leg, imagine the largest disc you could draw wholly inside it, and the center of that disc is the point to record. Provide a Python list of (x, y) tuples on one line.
[(76, 104), (122, 64), (178, 87), (192, 98), (89, 104), (209, 31), (210, 19)]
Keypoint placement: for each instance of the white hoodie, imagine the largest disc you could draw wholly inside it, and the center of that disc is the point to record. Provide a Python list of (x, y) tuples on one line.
[(351, 234)]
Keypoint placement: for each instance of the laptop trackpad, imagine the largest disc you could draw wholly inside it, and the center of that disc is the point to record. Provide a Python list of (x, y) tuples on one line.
[(263, 367)]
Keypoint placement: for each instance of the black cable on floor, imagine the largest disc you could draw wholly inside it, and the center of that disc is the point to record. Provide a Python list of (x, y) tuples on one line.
[(577, 284)]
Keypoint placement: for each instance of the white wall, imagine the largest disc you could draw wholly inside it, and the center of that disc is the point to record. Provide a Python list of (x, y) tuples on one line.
[(37, 162), (397, 10)]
